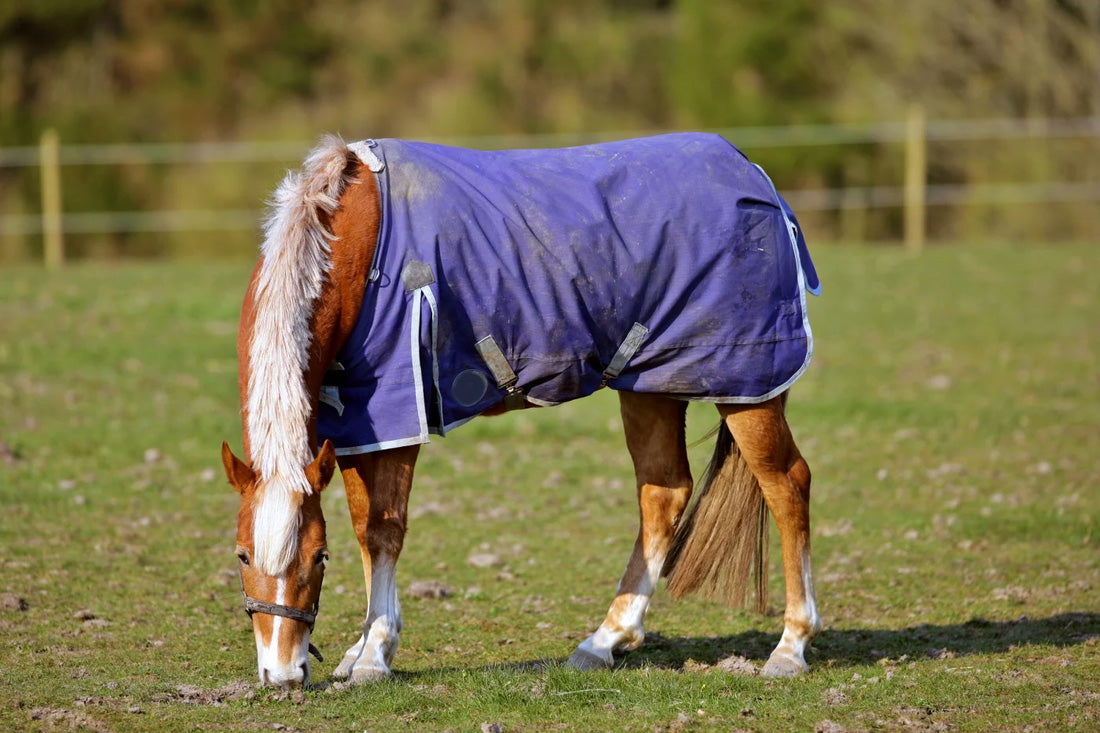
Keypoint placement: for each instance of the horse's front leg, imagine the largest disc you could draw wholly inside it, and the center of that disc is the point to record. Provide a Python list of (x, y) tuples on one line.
[(654, 429), (377, 486)]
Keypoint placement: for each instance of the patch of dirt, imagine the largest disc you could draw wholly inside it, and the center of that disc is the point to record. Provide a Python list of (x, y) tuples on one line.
[(828, 726), (12, 602), (8, 456), (499, 514), (483, 560), (685, 722), (682, 721), (919, 719), (1011, 593), (296, 696), (67, 719), (198, 696), (835, 697), (736, 664), (429, 589)]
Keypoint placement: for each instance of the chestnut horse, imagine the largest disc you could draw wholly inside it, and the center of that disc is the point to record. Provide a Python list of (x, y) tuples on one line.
[(303, 303)]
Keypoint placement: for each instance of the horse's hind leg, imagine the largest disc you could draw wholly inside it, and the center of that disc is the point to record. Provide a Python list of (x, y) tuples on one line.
[(654, 428), (377, 486), (764, 438)]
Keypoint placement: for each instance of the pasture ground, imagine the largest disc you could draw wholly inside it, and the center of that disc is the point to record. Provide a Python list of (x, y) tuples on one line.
[(950, 419)]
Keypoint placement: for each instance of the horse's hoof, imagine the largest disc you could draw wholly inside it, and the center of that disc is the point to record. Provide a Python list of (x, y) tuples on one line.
[(777, 666), (585, 660), (366, 675), (343, 670)]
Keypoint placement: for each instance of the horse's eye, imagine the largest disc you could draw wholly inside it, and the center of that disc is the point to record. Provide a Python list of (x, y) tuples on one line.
[(321, 557), (242, 555)]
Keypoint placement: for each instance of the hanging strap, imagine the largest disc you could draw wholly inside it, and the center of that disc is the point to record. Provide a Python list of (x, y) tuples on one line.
[(502, 372), (330, 395), (630, 345)]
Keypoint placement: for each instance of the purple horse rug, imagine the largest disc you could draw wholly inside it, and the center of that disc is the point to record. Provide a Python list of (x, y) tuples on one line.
[(667, 265)]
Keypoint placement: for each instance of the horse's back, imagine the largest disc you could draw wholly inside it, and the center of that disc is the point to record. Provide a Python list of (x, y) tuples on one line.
[(677, 245)]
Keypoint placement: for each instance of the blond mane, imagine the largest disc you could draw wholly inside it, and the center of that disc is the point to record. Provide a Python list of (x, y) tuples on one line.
[(295, 262)]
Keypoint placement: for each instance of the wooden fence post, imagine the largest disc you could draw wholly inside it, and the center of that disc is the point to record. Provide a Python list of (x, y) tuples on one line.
[(49, 160), (916, 179)]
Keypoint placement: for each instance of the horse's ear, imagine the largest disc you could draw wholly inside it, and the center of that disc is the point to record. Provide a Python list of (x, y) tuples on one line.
[(236, 470), (319, 472)]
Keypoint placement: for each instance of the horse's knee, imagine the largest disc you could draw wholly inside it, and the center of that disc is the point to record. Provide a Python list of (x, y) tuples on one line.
[(799, 475), (662, 506), (385, 536)]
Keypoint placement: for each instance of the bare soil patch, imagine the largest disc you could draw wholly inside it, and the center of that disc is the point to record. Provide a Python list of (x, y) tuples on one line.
[(12, 602), (738, 665), (429, 589), (194, 695), (66, 719)]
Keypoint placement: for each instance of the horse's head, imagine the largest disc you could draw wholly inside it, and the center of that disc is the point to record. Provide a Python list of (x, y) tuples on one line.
[(282, 552)]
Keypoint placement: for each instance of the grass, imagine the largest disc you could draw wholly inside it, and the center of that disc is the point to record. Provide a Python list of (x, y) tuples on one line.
[(950, 419)]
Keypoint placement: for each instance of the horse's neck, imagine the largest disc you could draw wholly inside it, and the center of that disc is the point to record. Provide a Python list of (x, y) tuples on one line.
[(335, 311), (355, 227)]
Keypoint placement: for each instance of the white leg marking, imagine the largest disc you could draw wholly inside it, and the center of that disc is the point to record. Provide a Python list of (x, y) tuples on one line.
[(788, 659), (623, 628), (808, 590), (372, 655)]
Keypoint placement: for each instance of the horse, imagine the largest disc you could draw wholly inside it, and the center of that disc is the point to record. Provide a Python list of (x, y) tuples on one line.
[(666, 268)]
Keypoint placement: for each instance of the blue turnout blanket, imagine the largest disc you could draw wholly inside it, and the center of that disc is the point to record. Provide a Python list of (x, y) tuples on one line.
[(667, 265)]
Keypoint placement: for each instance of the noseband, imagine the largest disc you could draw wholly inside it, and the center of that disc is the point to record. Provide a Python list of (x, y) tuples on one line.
[(253, 605)]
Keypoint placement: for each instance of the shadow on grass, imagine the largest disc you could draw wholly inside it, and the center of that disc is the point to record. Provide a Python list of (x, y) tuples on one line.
[(835, 647), (865, 646)]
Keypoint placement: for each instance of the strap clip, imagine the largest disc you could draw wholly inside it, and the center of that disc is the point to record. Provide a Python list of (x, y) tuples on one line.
[(502, 372)]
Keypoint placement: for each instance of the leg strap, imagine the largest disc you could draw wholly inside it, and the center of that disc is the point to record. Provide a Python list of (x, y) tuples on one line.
[(502, 372), (627, 349)]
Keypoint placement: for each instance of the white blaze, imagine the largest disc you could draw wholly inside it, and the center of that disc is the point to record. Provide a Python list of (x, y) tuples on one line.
[(270, 669)]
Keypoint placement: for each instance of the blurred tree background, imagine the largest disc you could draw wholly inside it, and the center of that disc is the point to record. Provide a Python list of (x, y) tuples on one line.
[(105, 71)]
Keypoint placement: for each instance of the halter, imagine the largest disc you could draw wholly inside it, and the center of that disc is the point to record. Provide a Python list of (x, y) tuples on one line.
[(254, 605)]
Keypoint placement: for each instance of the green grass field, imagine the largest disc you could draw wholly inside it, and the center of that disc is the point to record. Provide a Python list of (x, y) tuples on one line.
[(950, 419)]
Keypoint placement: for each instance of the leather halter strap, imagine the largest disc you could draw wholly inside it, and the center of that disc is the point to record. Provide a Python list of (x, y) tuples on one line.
[(254, 605)]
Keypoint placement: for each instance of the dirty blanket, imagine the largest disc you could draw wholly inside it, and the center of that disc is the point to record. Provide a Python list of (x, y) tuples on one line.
[(666, 265)]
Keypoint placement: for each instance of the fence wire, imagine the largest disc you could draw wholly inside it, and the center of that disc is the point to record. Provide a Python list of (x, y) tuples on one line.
[(243, 152)]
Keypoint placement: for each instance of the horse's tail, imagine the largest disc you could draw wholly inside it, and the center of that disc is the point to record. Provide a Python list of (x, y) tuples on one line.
[(723, 537), (295, 261)]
